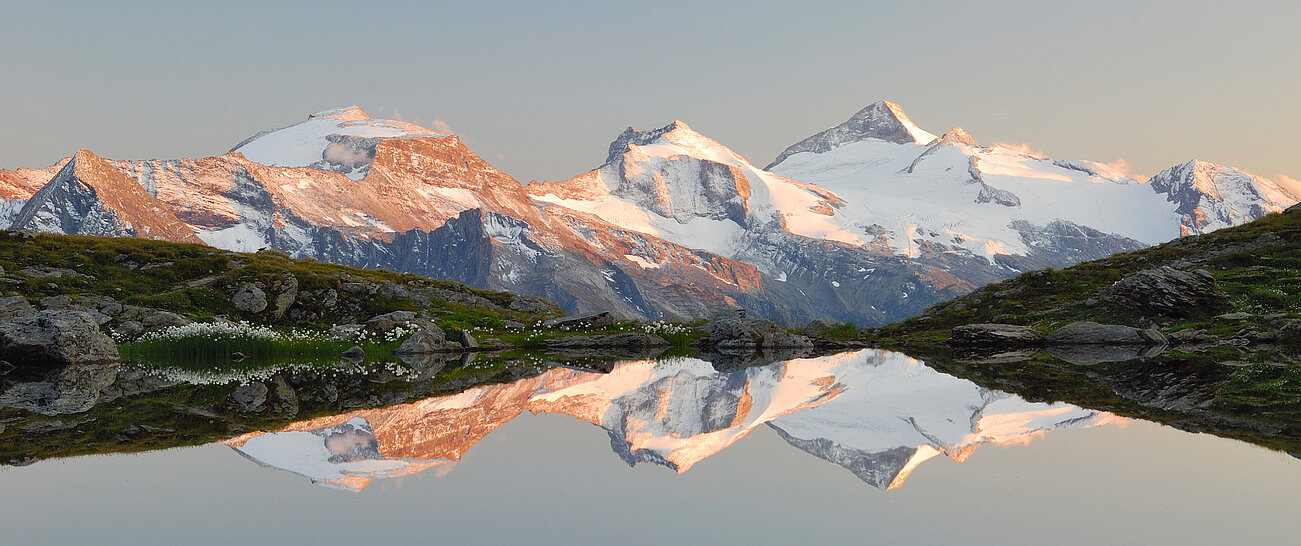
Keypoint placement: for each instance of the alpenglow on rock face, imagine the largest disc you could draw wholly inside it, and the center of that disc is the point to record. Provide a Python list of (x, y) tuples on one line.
[(869, 221)]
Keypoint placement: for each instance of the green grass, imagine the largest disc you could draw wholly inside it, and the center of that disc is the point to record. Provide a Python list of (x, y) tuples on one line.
[(1258, 265), (197, 280)]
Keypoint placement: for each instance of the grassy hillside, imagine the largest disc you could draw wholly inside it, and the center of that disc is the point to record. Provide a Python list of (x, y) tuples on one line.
[(1258, 265), (197, 281), (1233, 371)]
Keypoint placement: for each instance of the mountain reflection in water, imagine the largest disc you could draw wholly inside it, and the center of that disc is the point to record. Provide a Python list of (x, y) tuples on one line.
[(876, 413)]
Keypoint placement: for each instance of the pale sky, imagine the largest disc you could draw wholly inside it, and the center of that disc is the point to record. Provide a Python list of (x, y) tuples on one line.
[(541, 88)]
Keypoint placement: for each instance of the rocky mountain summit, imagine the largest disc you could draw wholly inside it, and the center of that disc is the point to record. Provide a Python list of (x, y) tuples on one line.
[(869, 221)]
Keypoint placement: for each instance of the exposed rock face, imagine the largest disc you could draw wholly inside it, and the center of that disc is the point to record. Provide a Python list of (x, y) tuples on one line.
[(285, 300), (249, 299), (883, 120), (1170, 292), (91, 197), (990, 194), (1060, 242), (719, 232), (1092, 333), (531, 305), (14, 306), (994, 335), (1210, 196), (54, 337)]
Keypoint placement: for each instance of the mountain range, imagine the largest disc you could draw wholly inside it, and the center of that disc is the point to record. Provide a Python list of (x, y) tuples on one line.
[(875, 413), (869, 221)]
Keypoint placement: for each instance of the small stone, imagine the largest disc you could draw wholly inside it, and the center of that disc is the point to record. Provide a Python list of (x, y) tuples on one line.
[(353, 354), (466, 340)]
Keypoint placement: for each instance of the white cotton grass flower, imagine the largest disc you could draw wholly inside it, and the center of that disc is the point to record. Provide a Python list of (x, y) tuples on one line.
[(221, 330), (224, 376)]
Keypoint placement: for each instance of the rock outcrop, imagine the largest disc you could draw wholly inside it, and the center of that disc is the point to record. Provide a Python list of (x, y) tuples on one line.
[(1093, 333), (994, 335), (249, 299), (1170, 292), (428, 338), (388, 322), (54, 338)]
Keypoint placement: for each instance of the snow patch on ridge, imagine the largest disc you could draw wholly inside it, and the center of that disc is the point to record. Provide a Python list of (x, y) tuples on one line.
[(310, 143)]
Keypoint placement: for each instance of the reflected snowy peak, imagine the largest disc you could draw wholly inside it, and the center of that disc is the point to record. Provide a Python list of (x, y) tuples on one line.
[(876, 413)]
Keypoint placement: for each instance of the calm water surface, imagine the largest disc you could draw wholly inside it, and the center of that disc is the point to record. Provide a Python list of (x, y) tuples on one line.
[(861, 447)]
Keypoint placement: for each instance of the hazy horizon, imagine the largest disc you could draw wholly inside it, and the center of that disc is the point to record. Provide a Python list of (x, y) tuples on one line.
[(541, 90)]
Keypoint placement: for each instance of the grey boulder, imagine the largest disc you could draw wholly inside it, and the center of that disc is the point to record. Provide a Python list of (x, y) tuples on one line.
[(249, 299), (785, 340), (636, 340), (994, 335), (14, 306), (428, 338), (1093, 333), (388, 322), (54, 338), (1170, 292)]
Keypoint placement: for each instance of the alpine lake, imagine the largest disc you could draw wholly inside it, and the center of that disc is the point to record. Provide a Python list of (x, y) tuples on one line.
[(865, 446)]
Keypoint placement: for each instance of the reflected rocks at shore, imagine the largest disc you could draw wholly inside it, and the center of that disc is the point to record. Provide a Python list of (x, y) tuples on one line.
[(876, 413)]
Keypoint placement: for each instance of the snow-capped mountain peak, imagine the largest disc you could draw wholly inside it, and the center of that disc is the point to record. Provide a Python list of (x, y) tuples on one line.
[(89, 196), (349, 113), (881, 120), (1210, 196), (869, 221), (957, 135), (342, 140)]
